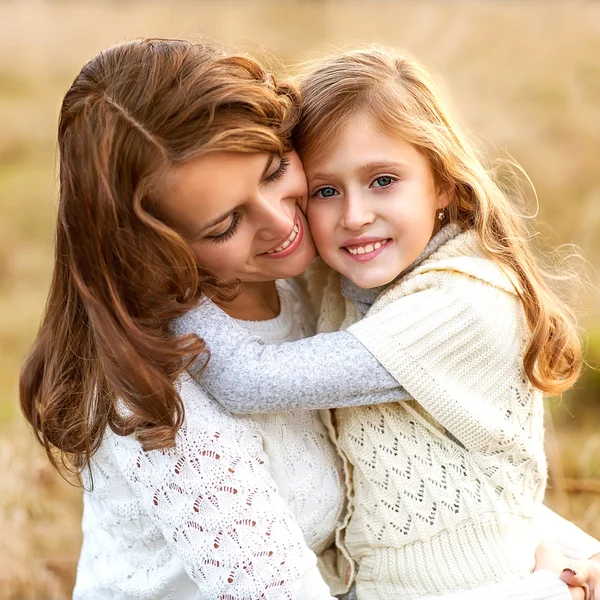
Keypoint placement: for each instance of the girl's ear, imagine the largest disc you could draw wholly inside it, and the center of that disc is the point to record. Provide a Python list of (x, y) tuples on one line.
[(445, 194)]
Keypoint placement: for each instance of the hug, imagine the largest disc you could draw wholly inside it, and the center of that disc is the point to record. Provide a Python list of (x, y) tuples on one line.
[(250, 421)]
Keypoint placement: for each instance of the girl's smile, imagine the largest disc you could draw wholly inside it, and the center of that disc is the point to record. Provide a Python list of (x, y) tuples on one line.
[(365, 249)]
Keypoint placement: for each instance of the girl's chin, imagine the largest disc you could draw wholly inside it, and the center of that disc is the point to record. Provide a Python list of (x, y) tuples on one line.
[(367, 282)]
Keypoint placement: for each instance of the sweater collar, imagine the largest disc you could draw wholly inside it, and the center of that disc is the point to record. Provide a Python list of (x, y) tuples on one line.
[(365, 298)]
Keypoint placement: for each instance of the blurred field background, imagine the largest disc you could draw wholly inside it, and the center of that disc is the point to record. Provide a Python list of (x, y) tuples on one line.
[(523, 74)]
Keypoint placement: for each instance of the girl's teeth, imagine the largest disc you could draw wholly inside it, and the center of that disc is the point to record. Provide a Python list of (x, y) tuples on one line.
[(367, 249)]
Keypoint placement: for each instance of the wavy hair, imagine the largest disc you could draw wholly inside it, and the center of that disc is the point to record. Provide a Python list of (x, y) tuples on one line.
[(104, 355), (402, 97)]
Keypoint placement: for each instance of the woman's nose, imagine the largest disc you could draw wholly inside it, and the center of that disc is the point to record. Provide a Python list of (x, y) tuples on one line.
[(275, 218), (356, 213)]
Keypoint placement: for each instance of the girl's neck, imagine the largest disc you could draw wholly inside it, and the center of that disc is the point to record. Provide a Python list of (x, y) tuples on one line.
[(257, 301)]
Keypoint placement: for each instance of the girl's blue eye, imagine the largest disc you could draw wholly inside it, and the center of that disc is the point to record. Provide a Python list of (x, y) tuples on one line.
[(326, 192), (383, 181)]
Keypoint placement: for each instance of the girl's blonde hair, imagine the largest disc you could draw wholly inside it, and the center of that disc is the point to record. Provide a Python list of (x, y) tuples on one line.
[(400, 94)]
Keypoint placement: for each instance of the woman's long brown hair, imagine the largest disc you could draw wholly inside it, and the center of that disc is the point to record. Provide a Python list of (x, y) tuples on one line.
[(104, 355)]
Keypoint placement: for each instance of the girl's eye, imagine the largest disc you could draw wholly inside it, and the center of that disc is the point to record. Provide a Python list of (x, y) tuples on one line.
[(284, 163), (221, 237), (383, 181), (326, 192)]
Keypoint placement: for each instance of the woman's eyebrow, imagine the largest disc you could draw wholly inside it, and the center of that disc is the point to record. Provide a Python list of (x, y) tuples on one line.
[(268, 164), (224, 216), (213, 222)]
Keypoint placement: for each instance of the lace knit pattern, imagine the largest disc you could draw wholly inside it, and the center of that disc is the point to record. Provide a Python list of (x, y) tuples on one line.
[(451, 482), (235, 511)]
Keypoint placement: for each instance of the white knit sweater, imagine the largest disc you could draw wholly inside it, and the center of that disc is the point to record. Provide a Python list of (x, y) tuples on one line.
[(444, 490), (233, 512)]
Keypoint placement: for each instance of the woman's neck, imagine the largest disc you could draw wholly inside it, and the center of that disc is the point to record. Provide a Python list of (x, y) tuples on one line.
[(257, 301)]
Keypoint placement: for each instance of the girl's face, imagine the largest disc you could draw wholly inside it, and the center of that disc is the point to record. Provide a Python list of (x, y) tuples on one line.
[(240, 213), (373, 203)]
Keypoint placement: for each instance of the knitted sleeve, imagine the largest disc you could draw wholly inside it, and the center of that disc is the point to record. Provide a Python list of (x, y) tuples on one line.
[(246, 375), (218, 508), (452, 340), (574, 543), (541, 585)]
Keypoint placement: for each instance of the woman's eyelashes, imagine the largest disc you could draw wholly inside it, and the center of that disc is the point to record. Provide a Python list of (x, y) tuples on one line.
[(221, 237), (236, 218), (381, 181), (284, 162)]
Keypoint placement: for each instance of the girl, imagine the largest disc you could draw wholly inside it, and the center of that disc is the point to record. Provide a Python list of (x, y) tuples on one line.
[(177, 182), (447, 480)]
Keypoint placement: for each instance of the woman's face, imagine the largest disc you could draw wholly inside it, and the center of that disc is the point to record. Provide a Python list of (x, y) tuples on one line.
[(241, 214)]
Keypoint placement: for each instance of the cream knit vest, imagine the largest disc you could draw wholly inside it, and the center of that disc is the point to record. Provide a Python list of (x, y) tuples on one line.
[(443, 488)]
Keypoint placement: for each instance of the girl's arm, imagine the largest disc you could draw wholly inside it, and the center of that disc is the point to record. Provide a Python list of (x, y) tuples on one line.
[(573, 542), (219, 509), (246, 375), (541, 585)]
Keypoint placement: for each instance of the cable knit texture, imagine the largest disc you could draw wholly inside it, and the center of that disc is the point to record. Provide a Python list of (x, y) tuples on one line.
[(223, 515), (444, 487)]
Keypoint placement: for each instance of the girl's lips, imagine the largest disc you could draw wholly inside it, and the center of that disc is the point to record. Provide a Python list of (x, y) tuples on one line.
[(293, 245), (367, 256)]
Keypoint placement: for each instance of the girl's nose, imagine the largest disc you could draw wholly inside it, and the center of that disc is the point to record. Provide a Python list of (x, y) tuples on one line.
[(357, 213)]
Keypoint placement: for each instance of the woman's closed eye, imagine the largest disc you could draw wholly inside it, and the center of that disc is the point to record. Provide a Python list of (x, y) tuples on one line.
[(221, 237), (279, 172)]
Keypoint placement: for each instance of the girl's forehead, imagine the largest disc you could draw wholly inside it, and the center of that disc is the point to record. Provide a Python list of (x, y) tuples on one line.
[(361, 144)]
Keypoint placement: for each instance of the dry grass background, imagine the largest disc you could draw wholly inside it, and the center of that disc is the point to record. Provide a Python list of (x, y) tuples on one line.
[(524, 74)]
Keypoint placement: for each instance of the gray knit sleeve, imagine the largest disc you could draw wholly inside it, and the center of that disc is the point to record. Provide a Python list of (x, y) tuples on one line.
[(246, 375)]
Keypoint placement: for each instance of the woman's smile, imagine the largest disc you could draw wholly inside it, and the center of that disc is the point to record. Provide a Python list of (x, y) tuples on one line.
[(290, 244)]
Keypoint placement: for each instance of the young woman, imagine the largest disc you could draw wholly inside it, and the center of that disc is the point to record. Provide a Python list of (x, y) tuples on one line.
[(402, 207), (178, 182)]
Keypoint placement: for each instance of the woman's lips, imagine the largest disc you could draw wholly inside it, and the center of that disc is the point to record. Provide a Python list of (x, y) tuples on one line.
[(288, 246)]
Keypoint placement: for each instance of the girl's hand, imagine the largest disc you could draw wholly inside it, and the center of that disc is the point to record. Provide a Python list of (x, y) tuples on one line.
[(584, 573), (582, 579)]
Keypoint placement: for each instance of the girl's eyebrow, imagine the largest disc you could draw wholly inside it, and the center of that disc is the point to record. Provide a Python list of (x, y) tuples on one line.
[(367, 168), (375, 166)]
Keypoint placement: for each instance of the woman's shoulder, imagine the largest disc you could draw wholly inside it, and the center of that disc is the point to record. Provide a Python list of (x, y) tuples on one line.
[(205, 421)]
